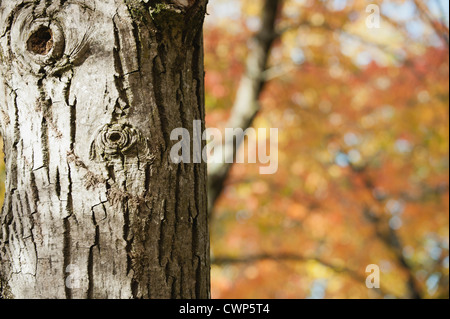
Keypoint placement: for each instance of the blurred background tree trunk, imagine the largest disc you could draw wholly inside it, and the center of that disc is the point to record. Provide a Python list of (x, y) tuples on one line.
[(251, 85)]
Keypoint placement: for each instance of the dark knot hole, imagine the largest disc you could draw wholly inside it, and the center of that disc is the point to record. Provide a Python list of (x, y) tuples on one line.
[(41, 41), (115, 137)]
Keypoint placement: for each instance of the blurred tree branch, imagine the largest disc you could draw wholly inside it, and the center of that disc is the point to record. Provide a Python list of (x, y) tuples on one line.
[(389, 236), (246, 105), (360, 278), (392, 241), (440, 28)]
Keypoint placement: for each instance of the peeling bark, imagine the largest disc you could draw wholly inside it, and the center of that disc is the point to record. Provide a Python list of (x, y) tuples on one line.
[(94, 207)]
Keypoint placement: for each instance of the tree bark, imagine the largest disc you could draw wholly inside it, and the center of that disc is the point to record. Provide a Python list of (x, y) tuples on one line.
[(89, 94)]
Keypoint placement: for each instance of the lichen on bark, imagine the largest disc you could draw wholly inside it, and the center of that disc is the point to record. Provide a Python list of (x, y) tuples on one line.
[(5, 291)]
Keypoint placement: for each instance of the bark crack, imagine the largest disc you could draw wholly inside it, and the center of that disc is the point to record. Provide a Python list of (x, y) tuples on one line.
[(67, 257), (90, 265), (122, 104)]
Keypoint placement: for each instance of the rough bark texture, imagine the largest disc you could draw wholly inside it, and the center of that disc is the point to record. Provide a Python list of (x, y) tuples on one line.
[(94, 206)]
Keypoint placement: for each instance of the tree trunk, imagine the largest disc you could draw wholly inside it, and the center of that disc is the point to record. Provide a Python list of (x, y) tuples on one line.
[(89, 94)]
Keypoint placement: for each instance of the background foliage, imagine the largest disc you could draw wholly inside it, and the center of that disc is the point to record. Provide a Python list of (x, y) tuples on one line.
[(363, 162)]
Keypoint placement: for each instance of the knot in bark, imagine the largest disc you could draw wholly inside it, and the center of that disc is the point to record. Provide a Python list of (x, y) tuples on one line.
[(118, 141)]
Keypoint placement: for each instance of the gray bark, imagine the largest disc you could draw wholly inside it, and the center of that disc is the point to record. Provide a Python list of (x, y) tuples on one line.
[(94, 206)]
